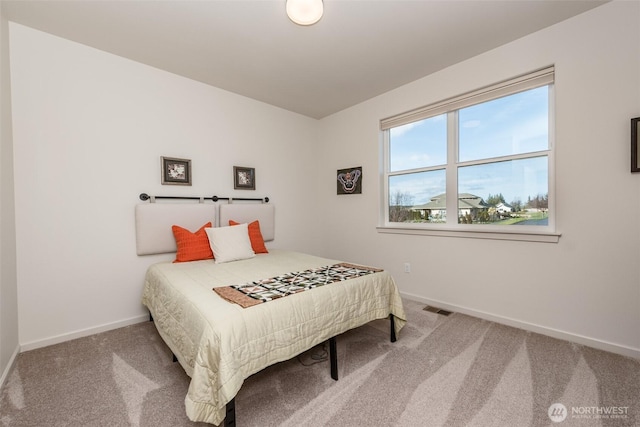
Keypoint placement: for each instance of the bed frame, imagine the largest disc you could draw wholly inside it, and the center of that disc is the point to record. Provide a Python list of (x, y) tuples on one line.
[(230, 418), (154, 236)]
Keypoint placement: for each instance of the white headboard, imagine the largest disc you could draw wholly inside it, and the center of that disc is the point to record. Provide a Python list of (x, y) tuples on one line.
[(249, 212), (154, 221)]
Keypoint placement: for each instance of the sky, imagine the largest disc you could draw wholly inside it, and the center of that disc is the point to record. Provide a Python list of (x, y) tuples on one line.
[(508, 126)]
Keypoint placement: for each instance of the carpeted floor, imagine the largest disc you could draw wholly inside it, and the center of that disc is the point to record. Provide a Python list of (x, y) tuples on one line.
[(442, 371)]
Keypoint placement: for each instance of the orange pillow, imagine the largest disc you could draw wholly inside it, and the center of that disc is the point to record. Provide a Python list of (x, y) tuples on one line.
[(255, 235), (192, 246)]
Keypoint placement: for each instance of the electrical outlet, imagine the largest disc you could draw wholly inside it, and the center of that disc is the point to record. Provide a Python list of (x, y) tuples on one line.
[(407, 267)]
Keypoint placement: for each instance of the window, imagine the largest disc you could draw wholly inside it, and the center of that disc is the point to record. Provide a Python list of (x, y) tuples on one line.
[(482, 161)]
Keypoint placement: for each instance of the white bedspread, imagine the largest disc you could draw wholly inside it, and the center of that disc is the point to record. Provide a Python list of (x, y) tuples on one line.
[(220, 344)]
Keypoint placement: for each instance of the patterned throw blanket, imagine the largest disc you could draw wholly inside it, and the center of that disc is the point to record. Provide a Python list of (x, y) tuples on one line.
[(260, 291)]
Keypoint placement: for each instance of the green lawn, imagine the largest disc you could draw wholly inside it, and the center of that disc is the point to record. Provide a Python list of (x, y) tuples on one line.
[(524, 216)]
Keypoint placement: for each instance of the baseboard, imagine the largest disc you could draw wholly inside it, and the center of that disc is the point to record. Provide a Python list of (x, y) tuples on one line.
[(7, 370), (554, 333), (83, 333)]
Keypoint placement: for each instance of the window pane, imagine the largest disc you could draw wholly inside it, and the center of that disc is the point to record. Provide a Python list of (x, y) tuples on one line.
[(409, 193), (514, 124), (419, 144), (514, 192)]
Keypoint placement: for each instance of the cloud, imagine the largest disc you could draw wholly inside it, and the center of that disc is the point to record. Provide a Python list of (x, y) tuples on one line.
[(471, 124), (401, 130)]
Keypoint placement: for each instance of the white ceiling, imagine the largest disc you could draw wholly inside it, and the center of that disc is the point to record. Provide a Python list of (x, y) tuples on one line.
[(358, 50)]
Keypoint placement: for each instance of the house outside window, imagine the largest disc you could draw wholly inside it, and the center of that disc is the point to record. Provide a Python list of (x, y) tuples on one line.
[(479, 161)]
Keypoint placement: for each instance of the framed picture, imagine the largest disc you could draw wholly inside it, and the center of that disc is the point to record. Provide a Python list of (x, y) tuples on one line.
[(175, 171), (244, 178), (635, 143), (350, 180)]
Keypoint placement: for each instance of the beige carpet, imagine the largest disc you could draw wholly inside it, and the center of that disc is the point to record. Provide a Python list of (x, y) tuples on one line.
[(442, 371)]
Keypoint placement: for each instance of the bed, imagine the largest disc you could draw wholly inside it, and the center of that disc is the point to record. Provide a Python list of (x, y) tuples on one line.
[(220, 343)]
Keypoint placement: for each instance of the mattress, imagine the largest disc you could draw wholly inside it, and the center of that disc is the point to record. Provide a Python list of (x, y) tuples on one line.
[(220, 344)]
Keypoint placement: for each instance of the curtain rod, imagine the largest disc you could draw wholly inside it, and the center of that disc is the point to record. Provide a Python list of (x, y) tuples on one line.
[(144, 197)]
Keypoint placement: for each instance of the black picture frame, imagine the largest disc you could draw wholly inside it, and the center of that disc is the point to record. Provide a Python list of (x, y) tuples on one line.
[(635, 143), (349, 180), (175, 171), (244, 178)]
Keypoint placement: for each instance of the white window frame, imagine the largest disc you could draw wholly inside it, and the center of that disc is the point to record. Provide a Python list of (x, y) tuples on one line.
[(542, 77)]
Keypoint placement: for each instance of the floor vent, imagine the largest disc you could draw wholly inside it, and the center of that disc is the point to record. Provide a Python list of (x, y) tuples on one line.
[(437, 310)]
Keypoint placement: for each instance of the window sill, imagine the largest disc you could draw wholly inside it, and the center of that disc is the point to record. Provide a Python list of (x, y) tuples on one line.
[(474, 234)]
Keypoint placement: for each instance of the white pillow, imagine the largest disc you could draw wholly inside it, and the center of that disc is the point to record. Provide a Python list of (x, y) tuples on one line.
[(230, 243)]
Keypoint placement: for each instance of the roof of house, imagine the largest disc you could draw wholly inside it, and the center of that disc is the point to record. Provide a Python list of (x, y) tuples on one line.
[(465, 201)]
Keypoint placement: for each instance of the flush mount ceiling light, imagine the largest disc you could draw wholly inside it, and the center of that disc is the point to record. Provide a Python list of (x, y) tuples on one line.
[(305, 12)]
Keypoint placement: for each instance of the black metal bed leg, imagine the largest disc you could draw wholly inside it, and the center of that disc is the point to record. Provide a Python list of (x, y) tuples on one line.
[(333, 358), (230, 416), (392, 321)]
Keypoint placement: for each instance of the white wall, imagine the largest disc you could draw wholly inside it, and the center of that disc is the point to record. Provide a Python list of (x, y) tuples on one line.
[(8, 280), (587, 286), (89, 130)]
